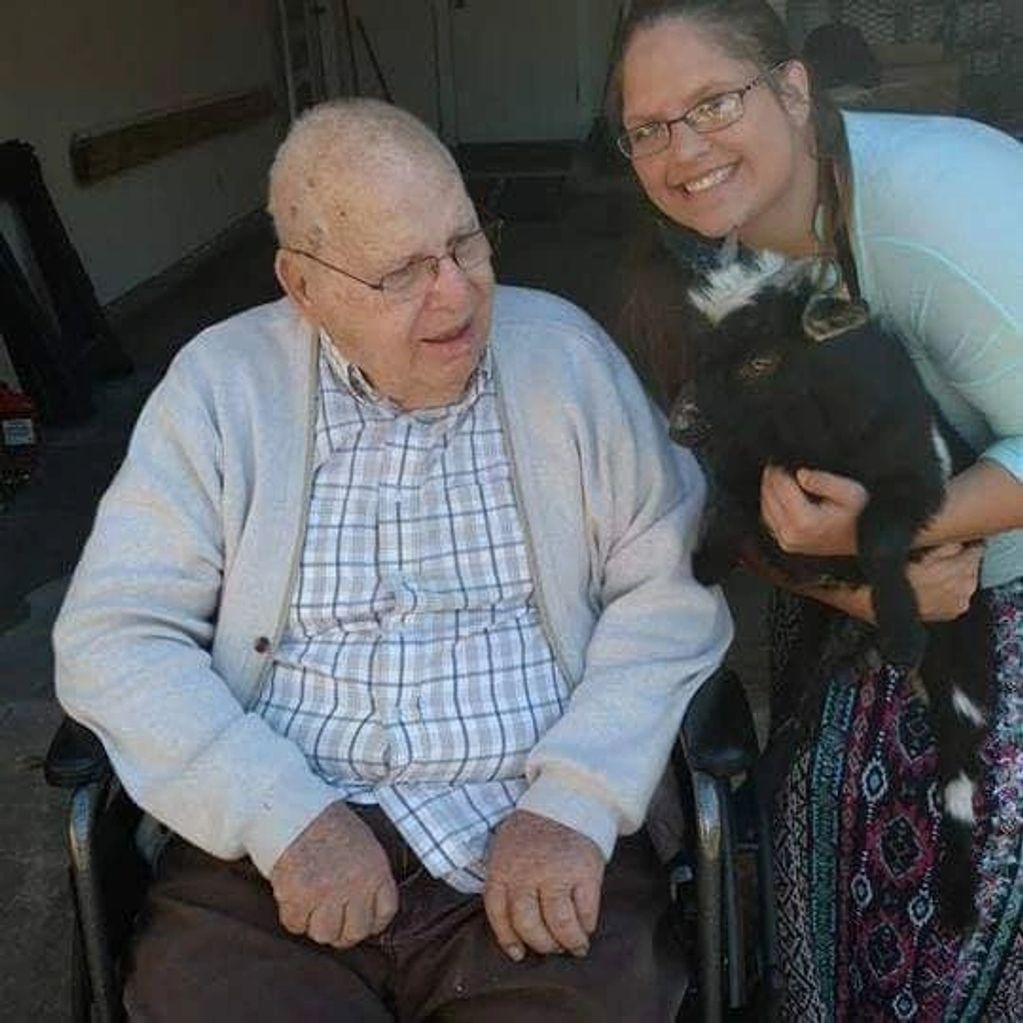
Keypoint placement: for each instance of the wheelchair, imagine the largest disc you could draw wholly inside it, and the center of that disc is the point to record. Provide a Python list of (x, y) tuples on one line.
[(727, 826)]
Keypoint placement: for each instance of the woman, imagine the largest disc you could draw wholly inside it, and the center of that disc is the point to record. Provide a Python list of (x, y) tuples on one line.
[(923, 214)]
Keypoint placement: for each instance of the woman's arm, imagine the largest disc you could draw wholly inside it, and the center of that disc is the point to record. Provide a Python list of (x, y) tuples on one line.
[(981, 501), (943, 580)]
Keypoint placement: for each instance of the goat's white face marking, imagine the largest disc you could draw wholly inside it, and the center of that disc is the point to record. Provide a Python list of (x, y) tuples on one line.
[(966, 708), (731, 287), (959, 799)]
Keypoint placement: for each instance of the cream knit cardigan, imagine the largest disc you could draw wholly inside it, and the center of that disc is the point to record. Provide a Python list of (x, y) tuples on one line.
[(183, 587)]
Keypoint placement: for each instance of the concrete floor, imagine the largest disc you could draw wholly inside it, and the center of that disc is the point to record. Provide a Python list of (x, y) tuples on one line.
[(577, 253)]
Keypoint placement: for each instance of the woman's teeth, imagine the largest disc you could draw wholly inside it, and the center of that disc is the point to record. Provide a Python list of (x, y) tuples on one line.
[(715, 177)]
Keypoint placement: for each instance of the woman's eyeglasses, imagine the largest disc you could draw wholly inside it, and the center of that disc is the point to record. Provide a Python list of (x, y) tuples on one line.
[(709, 115)]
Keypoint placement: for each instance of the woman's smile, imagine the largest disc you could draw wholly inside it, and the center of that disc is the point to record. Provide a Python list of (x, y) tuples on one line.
[(709, 180)]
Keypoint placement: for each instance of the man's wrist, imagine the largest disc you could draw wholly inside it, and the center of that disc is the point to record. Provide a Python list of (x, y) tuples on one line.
[(282, 816), (548, 797)]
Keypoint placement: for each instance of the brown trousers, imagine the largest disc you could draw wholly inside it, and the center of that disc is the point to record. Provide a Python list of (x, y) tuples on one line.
[(210, 948)]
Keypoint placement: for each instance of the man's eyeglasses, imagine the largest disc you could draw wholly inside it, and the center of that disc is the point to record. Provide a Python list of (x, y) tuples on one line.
[(414, 279), (709, 115)]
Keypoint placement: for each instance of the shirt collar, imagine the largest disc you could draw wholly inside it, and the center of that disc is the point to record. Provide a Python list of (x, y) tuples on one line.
[(352, 378)]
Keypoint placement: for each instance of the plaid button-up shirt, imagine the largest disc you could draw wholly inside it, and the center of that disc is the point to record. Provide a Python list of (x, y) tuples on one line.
[(414, 671)]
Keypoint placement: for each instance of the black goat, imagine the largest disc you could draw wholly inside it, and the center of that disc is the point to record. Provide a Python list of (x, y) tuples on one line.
[(783, 376)]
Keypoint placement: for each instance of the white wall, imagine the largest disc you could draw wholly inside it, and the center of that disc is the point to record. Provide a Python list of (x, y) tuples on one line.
[(71, 66)]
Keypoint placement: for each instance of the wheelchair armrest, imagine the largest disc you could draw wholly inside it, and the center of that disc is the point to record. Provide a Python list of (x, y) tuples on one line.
[(75, 757), (718, 736)]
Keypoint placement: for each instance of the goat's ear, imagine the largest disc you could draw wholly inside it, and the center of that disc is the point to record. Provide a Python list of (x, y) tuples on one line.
[(826, 317)]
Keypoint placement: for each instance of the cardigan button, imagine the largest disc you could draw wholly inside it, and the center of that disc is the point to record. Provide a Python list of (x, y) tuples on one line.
[(262, 645)]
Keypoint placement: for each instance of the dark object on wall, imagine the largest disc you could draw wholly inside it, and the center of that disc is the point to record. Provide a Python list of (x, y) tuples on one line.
[(54, 363), (838, 54), (94, 157)]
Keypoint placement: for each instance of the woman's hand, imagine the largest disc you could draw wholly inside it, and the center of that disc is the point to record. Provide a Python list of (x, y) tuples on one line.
[(944, 580), (812, 512)]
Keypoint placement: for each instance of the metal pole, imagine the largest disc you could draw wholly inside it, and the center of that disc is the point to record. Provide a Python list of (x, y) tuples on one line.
[(352, 62)]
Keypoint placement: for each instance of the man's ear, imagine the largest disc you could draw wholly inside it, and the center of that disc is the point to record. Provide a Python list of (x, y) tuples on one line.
[(292, 278), (794, 90)]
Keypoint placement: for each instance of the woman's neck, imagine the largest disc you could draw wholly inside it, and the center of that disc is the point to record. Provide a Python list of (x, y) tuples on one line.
[(788, 226)]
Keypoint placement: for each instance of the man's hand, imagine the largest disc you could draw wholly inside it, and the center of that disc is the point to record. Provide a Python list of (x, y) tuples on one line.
[(543, 886), (813, 512), (333, 883)]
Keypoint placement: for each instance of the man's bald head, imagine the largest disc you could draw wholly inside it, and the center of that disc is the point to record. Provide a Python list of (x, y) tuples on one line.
[(326, 168)]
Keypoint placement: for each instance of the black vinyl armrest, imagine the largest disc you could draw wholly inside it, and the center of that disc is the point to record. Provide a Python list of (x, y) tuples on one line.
[(718, 736), (75, 757)]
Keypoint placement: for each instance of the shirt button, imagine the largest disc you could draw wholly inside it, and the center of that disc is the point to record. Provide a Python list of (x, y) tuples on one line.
[(262, 645)]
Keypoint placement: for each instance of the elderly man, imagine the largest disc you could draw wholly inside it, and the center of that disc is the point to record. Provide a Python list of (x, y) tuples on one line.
[(389, 607)]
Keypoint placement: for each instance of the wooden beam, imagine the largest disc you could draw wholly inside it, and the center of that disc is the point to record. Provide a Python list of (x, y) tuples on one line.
[(101, 155)]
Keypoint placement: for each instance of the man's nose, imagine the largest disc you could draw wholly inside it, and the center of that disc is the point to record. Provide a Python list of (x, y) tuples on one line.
[(448, 276)]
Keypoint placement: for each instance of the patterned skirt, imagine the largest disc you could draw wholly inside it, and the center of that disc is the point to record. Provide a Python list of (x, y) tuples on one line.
[(857, 817)]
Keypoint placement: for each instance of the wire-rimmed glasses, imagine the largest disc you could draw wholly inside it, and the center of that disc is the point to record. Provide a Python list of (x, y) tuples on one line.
[(709, 115), (415, 278)]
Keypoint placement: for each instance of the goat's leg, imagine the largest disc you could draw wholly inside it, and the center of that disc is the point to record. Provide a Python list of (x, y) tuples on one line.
[(956, 674), (885, 540)]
